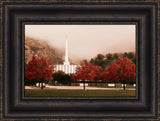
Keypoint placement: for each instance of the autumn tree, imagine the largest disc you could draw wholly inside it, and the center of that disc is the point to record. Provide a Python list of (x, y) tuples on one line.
[(39, 69), (86, 71), (109, 56), (100, 57), (103, 76), (131, 56), (61, 77), (110, 74), (103, 61), (125, 55), (123, 70), (115, 56), (98, 60)]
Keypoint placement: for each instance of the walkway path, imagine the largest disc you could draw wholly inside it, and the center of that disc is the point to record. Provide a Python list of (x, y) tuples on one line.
[(76, 88)]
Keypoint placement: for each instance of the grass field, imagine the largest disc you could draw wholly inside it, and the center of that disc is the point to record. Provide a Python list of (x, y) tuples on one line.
[(79, 93)]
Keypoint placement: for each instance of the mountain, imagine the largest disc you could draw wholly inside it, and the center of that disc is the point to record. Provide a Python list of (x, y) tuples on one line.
[(42, 48)]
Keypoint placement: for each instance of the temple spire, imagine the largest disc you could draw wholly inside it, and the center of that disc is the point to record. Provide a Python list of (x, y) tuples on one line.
[(66, 62)]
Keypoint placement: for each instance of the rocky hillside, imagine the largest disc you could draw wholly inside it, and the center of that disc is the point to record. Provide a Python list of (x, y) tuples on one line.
[(42, 48)]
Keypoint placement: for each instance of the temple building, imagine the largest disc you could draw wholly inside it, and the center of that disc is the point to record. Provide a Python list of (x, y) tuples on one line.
[(66, 67)]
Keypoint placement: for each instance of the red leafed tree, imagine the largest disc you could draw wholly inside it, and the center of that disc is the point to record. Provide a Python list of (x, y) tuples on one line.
[(86, 71), (108, 56), (110, 74), (123, 70), (39, 69)]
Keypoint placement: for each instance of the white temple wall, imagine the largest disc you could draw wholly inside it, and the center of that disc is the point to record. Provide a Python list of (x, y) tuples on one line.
[(68, 69)]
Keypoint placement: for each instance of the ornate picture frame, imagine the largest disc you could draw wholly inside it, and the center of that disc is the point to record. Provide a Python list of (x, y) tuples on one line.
[(16, 107)]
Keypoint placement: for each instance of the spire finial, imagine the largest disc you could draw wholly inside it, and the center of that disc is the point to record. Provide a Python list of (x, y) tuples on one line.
[(66, 62)]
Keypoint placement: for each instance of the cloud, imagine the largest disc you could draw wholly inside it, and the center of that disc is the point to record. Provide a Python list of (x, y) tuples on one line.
[(86, 41)]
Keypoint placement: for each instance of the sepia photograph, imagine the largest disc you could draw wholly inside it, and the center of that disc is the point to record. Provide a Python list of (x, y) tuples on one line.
[(86, 60), (80, 60)]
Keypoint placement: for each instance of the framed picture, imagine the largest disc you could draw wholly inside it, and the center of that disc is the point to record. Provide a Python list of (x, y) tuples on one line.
[(83, 60), (80, 61)]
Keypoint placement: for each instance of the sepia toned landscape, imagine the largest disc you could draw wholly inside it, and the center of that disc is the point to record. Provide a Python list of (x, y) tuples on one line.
[(80, 61)]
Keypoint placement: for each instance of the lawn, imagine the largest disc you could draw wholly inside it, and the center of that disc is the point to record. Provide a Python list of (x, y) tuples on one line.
[(79, 93)]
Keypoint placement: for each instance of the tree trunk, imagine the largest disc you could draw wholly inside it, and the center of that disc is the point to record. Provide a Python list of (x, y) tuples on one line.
[(124, 87), (96, 82), (41, 84), (84, 86)]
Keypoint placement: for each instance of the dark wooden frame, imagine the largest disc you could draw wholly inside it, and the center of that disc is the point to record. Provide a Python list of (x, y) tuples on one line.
[(145, 106)]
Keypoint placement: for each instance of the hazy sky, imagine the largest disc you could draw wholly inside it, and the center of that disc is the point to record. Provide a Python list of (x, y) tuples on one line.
[(86, 41)]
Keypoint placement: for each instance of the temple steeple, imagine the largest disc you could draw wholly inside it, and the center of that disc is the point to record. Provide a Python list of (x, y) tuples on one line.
[(66, 62), (66, 67)]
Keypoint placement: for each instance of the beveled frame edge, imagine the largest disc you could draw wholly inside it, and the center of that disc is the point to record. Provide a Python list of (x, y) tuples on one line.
[(81, 23), (154, 59)]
